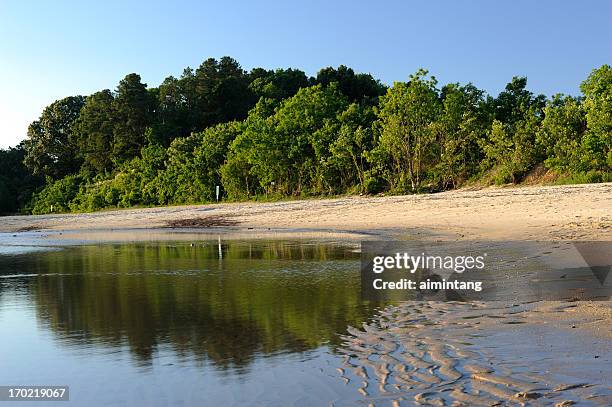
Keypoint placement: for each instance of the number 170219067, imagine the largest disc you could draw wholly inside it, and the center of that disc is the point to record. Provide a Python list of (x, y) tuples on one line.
[(33, 393)]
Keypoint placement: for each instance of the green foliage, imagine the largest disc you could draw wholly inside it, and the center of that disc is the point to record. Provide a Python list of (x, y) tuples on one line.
[(131, 110), (577, 133), (93, 132), (278, 133), (348, 152), (512, 103), (407, 116), (361, 88), (460, 129), (597, 143), (50, 148), (16, 182), (510, 150), (57, 195), (373, 183), (279, 84), (194, 165), (288, 151), (561, 133), (135, 184)]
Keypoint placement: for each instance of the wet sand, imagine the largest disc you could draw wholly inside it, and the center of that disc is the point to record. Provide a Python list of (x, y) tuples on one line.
[(430, 353), (440, 353)]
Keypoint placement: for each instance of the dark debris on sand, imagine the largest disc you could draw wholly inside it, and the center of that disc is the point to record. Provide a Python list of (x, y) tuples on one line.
[(202, 222)]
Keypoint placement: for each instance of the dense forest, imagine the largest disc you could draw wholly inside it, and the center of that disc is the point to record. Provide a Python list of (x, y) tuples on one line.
[(279, 133)]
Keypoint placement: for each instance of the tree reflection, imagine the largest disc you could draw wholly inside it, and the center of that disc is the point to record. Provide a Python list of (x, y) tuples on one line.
[(261, 298)]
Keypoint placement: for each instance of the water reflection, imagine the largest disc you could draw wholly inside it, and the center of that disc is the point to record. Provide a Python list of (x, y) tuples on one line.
[(252, 299)]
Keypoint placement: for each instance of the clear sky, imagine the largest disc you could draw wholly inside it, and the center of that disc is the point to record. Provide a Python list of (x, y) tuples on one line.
[(53, 49)]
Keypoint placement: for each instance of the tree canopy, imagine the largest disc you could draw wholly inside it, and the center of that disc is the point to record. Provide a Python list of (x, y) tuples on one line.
[(280, 133)]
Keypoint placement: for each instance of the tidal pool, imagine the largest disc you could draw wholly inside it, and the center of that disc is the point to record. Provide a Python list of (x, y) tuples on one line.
[(180, 324)]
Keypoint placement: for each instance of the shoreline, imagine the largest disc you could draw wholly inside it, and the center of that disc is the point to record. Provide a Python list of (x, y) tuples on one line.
[(567, 212), (474, 343)]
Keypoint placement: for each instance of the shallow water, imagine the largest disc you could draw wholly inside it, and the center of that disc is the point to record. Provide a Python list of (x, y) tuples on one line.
[(180, 324), (266, 322)]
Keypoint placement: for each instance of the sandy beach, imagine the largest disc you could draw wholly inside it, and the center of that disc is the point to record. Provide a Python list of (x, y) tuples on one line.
[(572, 212), (430, 353)]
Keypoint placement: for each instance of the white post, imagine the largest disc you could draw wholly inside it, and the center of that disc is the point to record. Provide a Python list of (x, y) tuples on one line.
[(217, 190)]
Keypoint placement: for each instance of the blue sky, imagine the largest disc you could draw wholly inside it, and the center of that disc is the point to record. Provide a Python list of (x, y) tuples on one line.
[(49, 50)]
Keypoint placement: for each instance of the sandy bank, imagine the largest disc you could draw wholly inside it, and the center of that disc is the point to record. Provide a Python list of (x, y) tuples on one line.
[(573, 212)]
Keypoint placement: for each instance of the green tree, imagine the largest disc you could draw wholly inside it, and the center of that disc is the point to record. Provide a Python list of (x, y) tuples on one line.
[(348, 151), (253, 158), (132, 111), (286, 152), (460, 128), (362, 88), (175, 108), (281, 133), (515, 100), (57, 195), (16, 181), (50, 148), (406, 117), (561, 133), (511, 150), (221, 91), (194, 164), (93, 131), (279, 84), (597, 142)]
